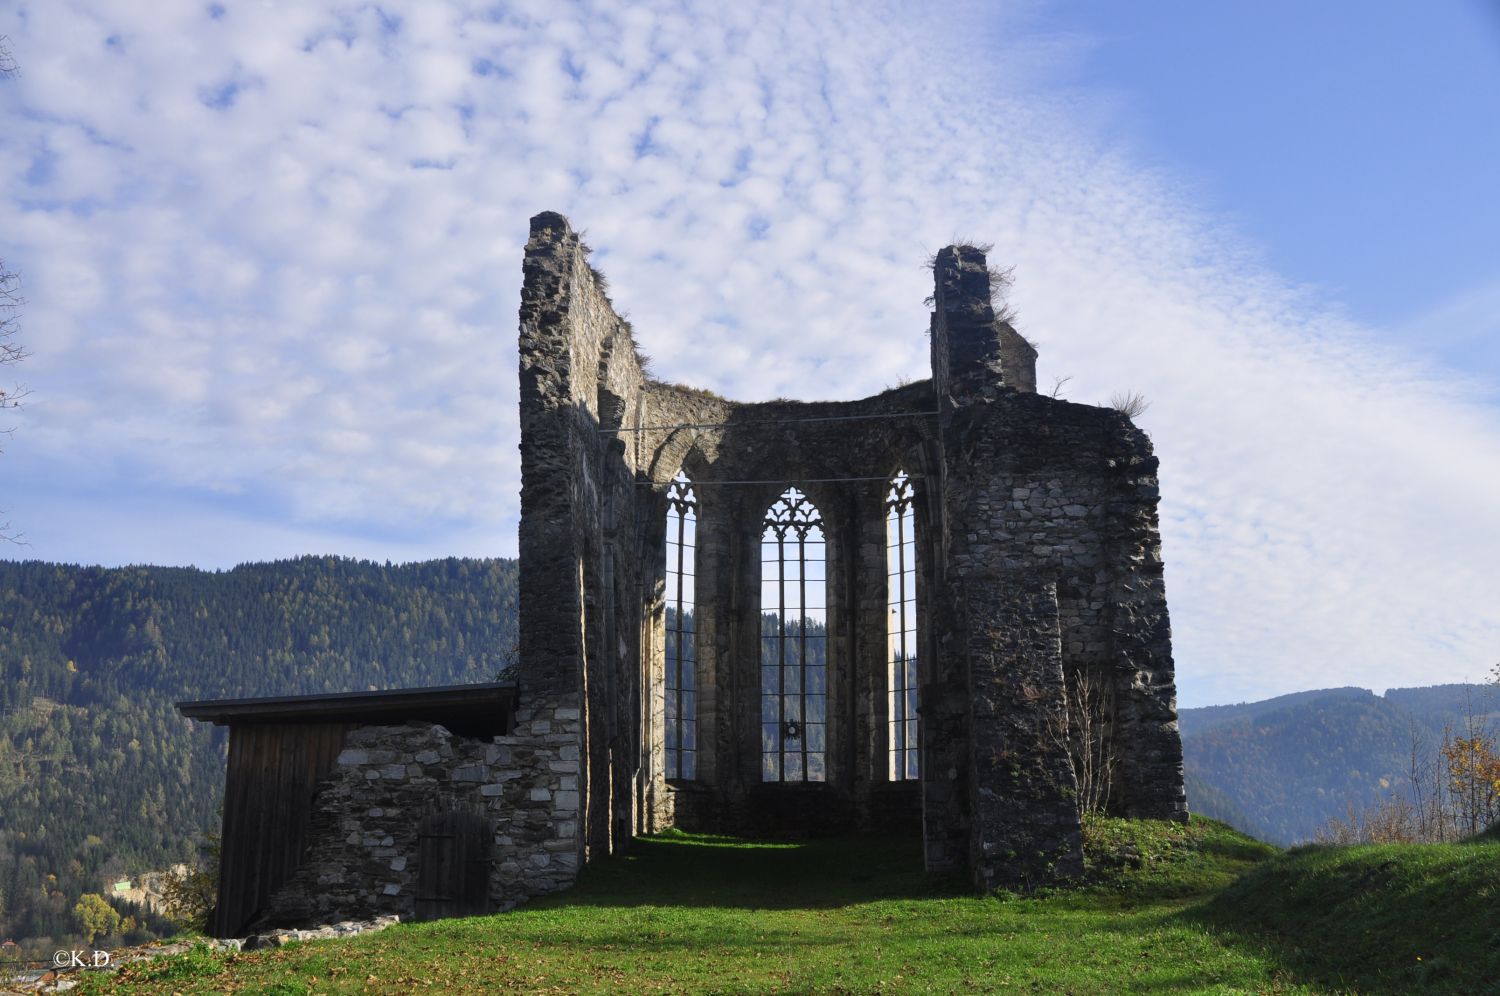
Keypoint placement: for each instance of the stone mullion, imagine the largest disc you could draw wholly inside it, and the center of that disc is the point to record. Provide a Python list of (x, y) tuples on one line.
[(677, 648), (802, 646), (898, 666), (780, 656)]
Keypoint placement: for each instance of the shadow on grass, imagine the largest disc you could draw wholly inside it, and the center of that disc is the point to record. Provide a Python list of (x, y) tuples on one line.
[(1396, 918), (678, 869)]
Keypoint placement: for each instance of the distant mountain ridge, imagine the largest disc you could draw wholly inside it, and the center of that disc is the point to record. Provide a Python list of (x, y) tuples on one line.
[(1282, 768)]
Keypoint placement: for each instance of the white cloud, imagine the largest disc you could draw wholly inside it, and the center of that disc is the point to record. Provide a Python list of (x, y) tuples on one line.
[(276, 255)]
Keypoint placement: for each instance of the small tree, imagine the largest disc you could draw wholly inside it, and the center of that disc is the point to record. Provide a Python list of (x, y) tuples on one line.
[(189, 895), (1082, 731), (510, 661), (1453, 792), (1473, 780), (95, 916), (10, 305)]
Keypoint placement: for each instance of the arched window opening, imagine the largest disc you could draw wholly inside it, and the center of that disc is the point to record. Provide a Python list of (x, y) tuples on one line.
[(901, 628), (794, 642), (681, 680)]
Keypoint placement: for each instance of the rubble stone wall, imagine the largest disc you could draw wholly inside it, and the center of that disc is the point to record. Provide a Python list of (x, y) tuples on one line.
[(1009, 485), (363, 856), (1038, 558)]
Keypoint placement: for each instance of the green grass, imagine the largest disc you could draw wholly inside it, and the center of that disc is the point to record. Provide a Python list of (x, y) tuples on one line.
[(693, 913), (1389, 918)]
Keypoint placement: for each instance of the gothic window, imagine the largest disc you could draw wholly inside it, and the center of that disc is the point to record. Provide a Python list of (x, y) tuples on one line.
[(681, 681), (901, 628), (793, 642)]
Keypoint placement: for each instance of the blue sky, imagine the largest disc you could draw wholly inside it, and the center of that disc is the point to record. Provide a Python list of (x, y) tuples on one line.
[(272, 258), (1352, 144)]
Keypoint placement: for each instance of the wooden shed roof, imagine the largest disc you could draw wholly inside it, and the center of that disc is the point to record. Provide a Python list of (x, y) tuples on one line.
[(446, 704)]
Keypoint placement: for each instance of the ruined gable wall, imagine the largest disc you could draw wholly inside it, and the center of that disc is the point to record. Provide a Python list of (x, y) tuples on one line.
[(1010, 486), (580, 667)]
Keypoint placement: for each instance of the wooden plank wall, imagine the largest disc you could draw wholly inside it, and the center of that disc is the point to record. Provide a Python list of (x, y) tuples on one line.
[(268, 794)]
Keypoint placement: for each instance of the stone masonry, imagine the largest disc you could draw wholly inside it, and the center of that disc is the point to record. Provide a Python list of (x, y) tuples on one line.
[(362, 858), (1038, 556), (1037, 559)]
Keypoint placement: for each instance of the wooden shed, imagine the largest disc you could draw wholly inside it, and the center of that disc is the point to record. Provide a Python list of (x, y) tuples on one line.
[(281, 747)]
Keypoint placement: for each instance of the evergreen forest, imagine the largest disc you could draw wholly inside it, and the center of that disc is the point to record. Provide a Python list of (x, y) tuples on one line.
[(1281, 770), (101, 780)]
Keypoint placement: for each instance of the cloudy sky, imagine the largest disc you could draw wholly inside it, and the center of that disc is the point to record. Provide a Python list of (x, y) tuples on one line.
[(271, 252)]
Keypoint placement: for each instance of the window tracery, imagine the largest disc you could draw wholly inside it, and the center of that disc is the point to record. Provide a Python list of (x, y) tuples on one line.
[(794, 642), (901, 629), (681, 739)]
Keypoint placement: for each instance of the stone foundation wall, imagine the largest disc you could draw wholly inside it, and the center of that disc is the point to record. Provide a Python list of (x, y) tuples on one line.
[(363, 855)]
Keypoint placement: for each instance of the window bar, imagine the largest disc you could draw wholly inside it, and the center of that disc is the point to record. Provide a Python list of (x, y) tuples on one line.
[(677, 764), (681, 503), (901, 643), (781, 655), (802, 645), (901, 574), (791, 520)]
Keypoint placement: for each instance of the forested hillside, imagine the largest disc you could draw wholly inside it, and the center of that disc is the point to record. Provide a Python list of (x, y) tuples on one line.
[(1281, 769), (101, 779)]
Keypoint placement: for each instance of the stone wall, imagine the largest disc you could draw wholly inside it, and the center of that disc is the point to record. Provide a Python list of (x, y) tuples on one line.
[(1068, 491), (1038, 557), (1010, 485), (1025, 830), (363, 850), (581, 602)]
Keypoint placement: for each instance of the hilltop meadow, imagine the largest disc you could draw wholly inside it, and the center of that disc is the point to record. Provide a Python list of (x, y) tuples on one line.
[(1196, 908)]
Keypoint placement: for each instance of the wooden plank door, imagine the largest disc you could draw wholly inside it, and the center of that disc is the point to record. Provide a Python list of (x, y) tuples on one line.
[(453, 863)]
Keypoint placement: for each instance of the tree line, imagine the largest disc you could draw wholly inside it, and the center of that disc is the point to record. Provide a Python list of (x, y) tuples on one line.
[(1285, 769)]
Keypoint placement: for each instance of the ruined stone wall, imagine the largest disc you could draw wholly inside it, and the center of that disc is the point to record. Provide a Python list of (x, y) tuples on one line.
[(1038, 494), (363, 852), (1025, 830), (777, 444), (1069, 492), (1038, 556), (580, 589)]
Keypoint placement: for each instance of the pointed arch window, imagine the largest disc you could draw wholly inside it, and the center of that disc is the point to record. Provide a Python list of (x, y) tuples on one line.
[(681, 734), (793, 642), (901, 628)]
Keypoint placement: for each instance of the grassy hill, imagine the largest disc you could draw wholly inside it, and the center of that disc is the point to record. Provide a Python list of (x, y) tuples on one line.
[(685, 913), (1390, 918)]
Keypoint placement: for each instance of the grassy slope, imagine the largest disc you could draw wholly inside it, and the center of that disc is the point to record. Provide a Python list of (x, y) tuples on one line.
[(701, 914), (1392, 918)]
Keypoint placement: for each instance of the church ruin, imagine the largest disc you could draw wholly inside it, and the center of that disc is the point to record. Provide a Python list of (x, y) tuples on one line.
[(775, 619), (800, 616)]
